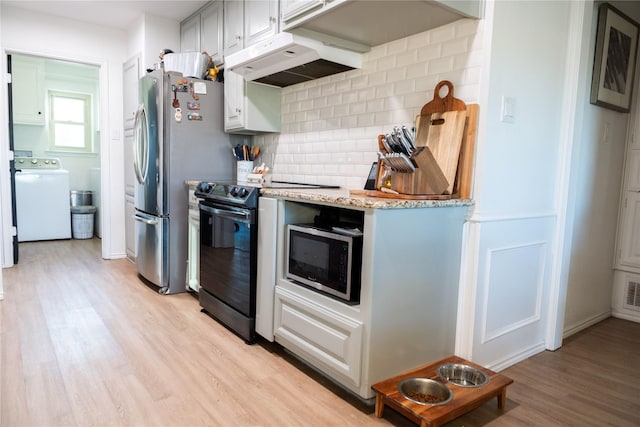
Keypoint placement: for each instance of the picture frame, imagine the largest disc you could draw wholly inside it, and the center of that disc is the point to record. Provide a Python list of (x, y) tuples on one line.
[(615, 59)]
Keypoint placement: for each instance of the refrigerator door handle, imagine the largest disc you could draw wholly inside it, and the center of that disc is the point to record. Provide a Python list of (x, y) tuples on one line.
[(145, 220), (141, 144)]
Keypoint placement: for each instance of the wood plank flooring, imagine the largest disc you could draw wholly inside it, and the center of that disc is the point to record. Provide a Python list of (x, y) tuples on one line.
[(84, 342)]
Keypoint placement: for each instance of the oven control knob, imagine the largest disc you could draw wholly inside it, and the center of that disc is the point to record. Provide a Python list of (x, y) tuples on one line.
[(233, 192), (204, 187), (242, 192)]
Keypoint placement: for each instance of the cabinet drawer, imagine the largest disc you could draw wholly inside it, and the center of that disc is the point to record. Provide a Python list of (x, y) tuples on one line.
[(326, 339)]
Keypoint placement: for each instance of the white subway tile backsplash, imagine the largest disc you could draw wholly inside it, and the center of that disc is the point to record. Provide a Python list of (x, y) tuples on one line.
[(440, 65), (467, 27), (429, 52), (330, 126), (442, 34), (455, 46)]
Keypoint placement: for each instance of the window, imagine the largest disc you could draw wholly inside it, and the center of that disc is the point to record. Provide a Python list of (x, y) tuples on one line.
[(70, 122)]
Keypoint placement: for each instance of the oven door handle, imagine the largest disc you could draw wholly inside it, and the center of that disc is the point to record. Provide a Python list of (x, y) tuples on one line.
[(243, 216)]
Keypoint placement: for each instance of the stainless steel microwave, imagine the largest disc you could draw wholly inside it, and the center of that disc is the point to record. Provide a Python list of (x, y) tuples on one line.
[(327, 261)]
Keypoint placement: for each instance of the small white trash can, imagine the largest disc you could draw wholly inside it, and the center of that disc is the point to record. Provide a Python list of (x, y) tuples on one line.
[(82, 221)]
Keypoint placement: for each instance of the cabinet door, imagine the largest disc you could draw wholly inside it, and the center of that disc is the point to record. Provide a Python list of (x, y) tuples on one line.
[(292, 9), (130, 75), (129, 226), (190, 34), (326, 339), (193, 249), (129, 174), (250, 107), (211, 24), (234, 85), (260, 20), (27, 77), (233, 26), (630, 234)]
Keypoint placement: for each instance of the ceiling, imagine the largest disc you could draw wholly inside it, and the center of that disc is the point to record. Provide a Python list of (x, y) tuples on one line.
[(110, 13)]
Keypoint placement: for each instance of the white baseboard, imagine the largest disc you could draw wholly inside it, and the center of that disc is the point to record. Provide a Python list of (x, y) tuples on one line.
[(511, 360), (626, 315), (585, 324)]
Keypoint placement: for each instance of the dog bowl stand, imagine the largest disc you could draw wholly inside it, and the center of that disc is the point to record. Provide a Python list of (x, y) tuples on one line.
[(464, 399)]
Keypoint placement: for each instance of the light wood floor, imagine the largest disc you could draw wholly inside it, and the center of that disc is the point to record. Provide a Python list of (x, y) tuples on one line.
[(84, 342)]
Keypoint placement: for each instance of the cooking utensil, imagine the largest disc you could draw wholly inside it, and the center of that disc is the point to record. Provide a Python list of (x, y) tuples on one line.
[(442, 134), (441, 104), (408, 149), (386, 144), (408, 136), (398, 162)]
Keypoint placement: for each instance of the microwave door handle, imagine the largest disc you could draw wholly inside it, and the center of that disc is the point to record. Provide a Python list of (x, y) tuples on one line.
[(228, 214)]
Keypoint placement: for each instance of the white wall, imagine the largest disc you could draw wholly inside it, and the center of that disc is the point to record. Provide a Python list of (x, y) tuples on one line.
[(513, 272), (149, 35), (596, 185), (330, 126), (510, 259), (49, 36)]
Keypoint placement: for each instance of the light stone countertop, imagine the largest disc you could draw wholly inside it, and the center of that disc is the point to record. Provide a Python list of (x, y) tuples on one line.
[(342, 197)]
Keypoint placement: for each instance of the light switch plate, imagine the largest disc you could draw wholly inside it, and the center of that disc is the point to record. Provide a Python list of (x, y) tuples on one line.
[(508, 114)]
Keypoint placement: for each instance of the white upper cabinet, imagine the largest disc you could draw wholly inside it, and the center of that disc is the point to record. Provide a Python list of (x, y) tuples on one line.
[(250, 108), (190, 34), (260, 20), (130, 76), (27, 75), (292, 9), (233, 26), (202, 32), (211, 26)]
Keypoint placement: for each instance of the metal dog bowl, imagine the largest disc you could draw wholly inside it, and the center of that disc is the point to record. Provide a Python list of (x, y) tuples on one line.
[(462, 375), (425, 391)]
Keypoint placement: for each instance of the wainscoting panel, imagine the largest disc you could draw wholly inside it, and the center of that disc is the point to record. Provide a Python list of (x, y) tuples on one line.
[(514, 298), (511, 309)]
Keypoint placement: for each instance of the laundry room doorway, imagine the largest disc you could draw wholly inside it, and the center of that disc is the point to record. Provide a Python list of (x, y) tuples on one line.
[(55, 137)]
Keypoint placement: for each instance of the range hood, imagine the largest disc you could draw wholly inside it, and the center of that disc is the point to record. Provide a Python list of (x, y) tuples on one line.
[(287, 59)]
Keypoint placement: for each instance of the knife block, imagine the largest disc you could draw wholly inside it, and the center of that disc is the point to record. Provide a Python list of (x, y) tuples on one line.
[(438, 175)]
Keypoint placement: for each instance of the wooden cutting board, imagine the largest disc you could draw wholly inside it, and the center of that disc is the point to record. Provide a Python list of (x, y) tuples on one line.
[(442, 134)]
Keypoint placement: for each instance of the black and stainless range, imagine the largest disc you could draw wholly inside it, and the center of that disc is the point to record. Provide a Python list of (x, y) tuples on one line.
[(228, 254)]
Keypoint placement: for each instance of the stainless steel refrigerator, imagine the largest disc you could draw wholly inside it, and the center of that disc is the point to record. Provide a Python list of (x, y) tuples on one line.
[(179, 136)]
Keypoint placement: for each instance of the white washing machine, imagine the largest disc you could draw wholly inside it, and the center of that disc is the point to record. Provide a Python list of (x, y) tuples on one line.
[(42, 199)]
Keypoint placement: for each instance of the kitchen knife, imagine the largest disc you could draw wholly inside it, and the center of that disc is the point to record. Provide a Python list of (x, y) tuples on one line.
[(407, 134)]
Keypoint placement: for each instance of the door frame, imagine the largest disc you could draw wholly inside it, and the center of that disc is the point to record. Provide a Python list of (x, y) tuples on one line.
[(6, 228)]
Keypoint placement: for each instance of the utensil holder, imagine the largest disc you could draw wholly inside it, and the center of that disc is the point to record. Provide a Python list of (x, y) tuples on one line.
[(243, 169)]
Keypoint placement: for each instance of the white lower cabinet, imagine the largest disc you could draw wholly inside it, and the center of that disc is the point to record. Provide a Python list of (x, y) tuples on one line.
[(129, 226), (193, 248), (331, 340), (406, 316)]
